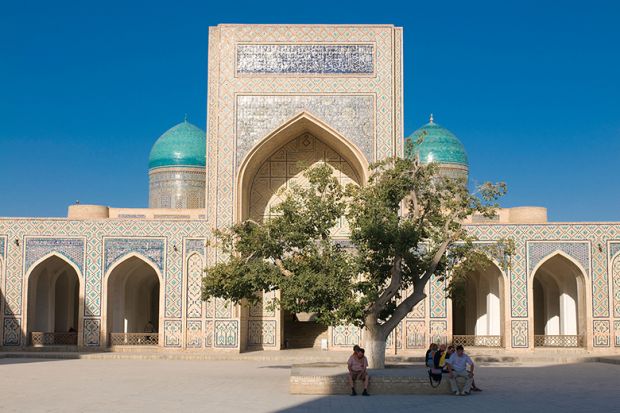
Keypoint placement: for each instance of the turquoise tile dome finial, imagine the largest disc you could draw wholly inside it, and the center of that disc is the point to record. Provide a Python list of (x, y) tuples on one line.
[(182, 145), (438, 145)]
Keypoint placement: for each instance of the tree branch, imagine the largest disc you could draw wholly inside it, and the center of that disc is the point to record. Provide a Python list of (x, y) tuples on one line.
[(392, 289), (282, 268)]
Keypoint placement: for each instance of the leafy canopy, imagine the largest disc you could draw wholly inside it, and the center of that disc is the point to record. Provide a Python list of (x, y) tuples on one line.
[(405, 226)]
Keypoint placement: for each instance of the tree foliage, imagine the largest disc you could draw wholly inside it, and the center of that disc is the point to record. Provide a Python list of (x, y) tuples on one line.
[(405, 226)]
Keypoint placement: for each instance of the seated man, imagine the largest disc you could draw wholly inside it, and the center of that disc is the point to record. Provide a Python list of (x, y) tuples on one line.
[(457, 367), (358, 364)]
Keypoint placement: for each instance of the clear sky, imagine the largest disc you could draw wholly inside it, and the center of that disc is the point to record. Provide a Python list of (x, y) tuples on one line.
[(532, 89)]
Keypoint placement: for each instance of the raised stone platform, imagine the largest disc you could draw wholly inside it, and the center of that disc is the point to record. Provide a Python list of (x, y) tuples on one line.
[(331, 378)]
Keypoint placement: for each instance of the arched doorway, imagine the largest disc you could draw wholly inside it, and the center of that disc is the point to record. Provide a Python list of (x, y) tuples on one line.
[(478, 308), (53, 303), (272, 166), (559, 303), (133, 303)]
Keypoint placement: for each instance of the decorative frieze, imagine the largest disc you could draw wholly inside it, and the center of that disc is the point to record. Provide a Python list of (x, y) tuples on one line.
[(318, 59)]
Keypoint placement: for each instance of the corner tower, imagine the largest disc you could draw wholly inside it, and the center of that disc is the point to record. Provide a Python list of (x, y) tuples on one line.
[(177, 168)]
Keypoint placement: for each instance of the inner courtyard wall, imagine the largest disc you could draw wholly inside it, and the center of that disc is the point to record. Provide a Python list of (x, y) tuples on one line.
[(177, 249)]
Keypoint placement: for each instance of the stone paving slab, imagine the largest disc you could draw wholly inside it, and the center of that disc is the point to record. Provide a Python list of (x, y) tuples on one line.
[(67, 386)]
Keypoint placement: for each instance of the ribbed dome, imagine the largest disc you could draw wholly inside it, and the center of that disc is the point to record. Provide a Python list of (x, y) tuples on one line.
[(181, 145), (438, 145)]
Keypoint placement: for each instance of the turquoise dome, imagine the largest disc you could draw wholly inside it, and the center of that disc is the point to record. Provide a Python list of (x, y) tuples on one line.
[(181, 145), (438, 145)]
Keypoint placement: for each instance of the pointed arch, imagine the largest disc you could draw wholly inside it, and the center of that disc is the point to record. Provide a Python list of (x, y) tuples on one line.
[(302, 123), (59, 255), (130, 296), (582, 271), (560, 300), (46, 299), (126, 257), (478, 317)]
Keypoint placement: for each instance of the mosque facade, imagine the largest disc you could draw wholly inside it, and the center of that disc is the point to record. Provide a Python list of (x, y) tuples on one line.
[(112, 278)]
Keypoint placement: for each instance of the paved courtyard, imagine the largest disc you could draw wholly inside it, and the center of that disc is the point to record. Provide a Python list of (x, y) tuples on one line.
[(38, 385)]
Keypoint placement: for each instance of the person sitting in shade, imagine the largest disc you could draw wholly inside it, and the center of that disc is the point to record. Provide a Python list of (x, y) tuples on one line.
[(358, 365), (457, 367)]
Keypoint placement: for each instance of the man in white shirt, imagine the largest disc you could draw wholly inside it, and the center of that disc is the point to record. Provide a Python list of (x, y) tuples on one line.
[(457, 367)]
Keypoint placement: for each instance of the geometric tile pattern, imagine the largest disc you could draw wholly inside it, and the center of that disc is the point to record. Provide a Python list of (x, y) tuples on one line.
[(437, 297), (2, 246), (519, 333), (307, 58), (594, 263), (195, 269), (195, 245), (617, 332), (614, 248), (92, 332), (11, 332), (345, 335), (194, 334), (351, 116), (147, 238), (226, 333), (580, 251), (439, 331), (262, 332), (172, 333), (615, 274), (70, 248), (416, 333), (152, 248), (398, 334), (223, 308), (601, 333), (225, 84), (209, 333)]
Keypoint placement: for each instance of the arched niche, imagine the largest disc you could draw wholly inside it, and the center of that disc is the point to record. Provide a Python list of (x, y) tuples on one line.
[(53, 301), (133, 301), (558, 291), (479, 309), (303, 124)]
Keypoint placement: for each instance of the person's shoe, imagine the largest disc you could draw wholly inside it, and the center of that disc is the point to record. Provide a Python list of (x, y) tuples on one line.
[(365, 393), (353, 392), (457, 393)]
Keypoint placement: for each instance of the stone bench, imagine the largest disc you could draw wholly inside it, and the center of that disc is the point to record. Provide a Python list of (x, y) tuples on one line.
[(331, 378)]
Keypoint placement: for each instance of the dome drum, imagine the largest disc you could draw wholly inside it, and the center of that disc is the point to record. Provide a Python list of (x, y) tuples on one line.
[(177, 175)]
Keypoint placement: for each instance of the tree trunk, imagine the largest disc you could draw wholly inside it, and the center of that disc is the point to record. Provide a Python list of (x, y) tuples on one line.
[(374, 344)]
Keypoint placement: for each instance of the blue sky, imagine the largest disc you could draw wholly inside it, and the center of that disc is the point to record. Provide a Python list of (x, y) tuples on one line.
[(532, 89)]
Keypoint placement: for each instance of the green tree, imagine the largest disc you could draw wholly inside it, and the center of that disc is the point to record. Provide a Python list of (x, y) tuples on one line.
[(405, 226)]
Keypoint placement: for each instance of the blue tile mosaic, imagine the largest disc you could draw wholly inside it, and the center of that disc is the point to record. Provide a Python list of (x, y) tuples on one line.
[(614, 248), (580, 251), (305, 59), (70, 248), (152, 248)]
